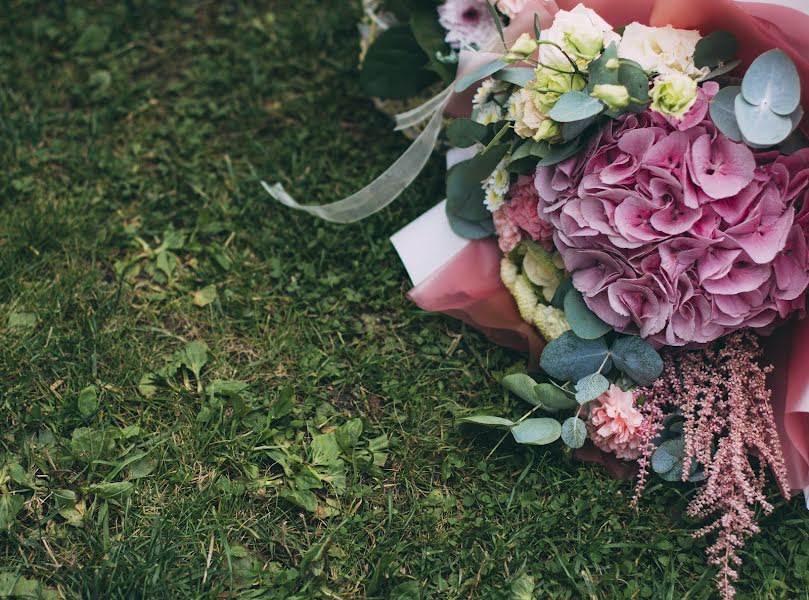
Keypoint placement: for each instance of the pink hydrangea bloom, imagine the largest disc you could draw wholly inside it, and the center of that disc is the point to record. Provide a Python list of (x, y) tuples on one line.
[(614, 424), (676, 233), (508, 236), (521, 210), (467, 22)]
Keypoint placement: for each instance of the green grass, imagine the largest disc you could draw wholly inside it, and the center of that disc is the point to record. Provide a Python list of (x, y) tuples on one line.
[(132, 138)]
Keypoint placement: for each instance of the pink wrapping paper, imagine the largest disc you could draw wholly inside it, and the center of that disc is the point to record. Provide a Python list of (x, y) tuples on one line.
[(468, 287)]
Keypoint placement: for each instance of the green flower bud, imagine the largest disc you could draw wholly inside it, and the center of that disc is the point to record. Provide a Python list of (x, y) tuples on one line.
[(524, 47), (615, 97), (673, 95)]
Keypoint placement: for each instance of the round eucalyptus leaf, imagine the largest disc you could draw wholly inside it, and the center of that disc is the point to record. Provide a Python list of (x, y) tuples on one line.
[(575, 106), (715, 48), (772, 80), (520, 76), (554, 399), (637, 359), (723, 112), (523, 386), (487, 421), (574, 432), (463, 133), (569, 357), (537, 432), (591, 387), (584, 322), (760, 125), (481, 73)]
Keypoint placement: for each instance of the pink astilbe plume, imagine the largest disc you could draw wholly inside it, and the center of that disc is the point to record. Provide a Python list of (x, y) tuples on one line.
[(730, 430)]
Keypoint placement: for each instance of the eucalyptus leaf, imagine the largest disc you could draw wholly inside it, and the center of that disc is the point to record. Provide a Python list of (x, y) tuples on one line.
[(487, 421), (560, 152), (584, 322), (570, 358), (523, 386), (553, 398), (598, 71), (531, 148), (486, 70), (395, 66), (637, 359), (464, 133), (760, 125), (430, 37), (773, 80), (715, 48), (572, 130), (537, 27), (558, 300), (722, 70), (498, 22), (591, 387), (723, 112), (537, 432), (575, 106), (574, 432), (632, 76), (520, 76)]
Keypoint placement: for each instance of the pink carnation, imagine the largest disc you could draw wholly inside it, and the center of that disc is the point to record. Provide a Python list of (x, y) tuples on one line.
[(508, 236), (467, 22), (614, 424), (674, 232), (521, 210)]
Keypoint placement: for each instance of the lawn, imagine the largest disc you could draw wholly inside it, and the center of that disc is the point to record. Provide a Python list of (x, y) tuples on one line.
[(206, 395)]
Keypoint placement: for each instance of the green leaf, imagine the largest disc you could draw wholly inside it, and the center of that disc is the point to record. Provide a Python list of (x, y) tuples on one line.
[(430, 37), (88, 445), (598, 71), (560, 152), (575, 106), (571, 131), (487, 421), (523, 386), (530, 148), (520, 76), (482, 73), (591, 387), (324, 449), (468, 215), (10, 505), (196, 356), (304, 499), (574, 432), (497, 22), (553, 398), (632, 76), (112, 490), (537, 28), (558, 300), (395, 66), (537, 432), (722, 70), (464, 133), (348, 434), (718, 47), (205, 296), (523, 588), (584, 322), (409, 590), (21, 320), (147, 385), (570, 358), (637, 359), (723, 112), (667, 455), (92, 40), (773, 80), (88, 402)]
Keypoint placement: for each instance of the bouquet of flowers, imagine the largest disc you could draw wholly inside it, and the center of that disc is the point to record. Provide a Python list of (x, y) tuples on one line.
[(634, 178)]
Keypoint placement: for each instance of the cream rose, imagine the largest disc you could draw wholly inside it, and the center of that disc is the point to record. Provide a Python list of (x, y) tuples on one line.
[(661, 50), (581, 33), (530, 121)]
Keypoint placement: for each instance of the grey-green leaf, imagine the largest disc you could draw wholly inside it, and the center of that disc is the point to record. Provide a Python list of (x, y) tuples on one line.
[(760, 125), (723, 112), (715, 48), (487, 421), (574, 432), (523, 386), (584, 322), (773, 80), (575, 106), (537, 432), (591, 387), (481, 73), (553, 399), (637, 359), (569, 357), (520, 76), (463, 133)]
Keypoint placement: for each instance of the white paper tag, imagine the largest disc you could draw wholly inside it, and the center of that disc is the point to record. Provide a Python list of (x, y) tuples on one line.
[(427, 243)]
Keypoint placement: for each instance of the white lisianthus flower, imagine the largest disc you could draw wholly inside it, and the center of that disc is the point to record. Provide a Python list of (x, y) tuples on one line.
[(662, 50), (487, 114), (581, 33), (511, 8), (673, 95)]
